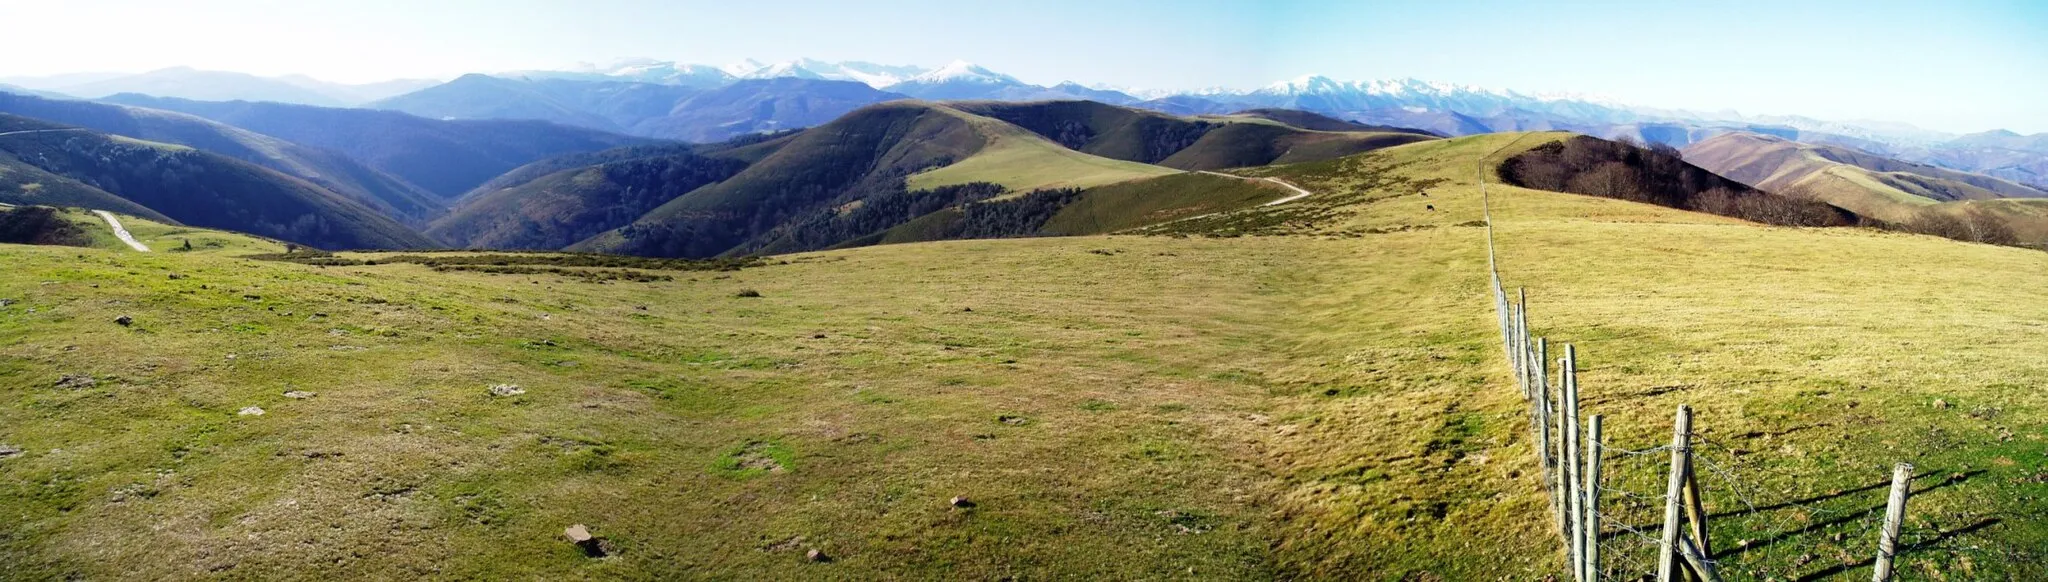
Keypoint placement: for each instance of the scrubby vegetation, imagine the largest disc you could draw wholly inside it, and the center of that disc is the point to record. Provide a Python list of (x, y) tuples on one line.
[(40, 225), (1109, 131), (568, 206), (460, 260), (860, 155), (832, 226), (1657, 175)]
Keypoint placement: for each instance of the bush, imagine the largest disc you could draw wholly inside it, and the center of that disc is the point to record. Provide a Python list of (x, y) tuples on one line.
[(40, 225)]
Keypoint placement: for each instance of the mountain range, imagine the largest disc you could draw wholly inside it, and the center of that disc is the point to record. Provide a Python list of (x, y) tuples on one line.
[(703, 103)]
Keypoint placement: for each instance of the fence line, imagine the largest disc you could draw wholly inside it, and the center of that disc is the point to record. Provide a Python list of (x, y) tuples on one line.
[(1572, 458)]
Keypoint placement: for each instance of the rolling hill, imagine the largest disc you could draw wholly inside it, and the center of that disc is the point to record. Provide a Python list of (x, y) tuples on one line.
[(1868, 184), (1253, 138), (202, 189), (445, 158), (878, 150), (562, 208), (896, 172), (328, 169)]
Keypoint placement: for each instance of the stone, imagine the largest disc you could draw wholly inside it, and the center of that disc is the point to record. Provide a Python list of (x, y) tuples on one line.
[(76, 381), (507, 390), (250, 411), (300, 394), (577, 533), (125, 321), (1940, 403), (963, 503), (817, 556), (9, 451)]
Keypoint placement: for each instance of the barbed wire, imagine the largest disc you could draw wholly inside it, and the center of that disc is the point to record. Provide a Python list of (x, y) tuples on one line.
[(1761, 521)]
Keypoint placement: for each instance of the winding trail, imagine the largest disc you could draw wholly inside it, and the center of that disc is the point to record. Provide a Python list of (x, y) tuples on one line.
[(1299, 193), (119, 232), (27, 131)]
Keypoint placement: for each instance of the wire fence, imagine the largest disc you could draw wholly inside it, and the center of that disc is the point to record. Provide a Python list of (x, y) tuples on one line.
[(1691, 509)]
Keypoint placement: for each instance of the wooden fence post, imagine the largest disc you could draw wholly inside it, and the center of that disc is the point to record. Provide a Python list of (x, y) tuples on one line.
[(1591, 566), (1522, 338), (1544, 413), (1668, 551), (1574, 498), (1894, 512)]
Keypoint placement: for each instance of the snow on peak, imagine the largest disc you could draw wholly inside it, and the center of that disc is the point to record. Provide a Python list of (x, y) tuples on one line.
[(743, 68), (960, 71)]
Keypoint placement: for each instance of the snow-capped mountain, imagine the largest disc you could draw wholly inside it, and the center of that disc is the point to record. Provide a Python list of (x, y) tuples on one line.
[(1445, 107), (962, 80), (963, 72), (635, 70), (871, 74)]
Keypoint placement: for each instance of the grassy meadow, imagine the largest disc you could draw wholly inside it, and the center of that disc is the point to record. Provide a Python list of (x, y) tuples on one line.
[(1316, 391)]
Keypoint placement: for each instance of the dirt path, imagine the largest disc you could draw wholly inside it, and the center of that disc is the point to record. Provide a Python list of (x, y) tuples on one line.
[(120, 232), (1299, 193), (27, 131)]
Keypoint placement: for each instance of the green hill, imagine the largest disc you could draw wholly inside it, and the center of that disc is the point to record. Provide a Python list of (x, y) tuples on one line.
[(1253, 138), (202, 189), (1023, 161), (1098, 210), (1246, 144), (885, 149), (1318, 122), (327, 169)]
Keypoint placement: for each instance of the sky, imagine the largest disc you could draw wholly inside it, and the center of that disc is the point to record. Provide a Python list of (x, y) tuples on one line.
[(1958, 66)]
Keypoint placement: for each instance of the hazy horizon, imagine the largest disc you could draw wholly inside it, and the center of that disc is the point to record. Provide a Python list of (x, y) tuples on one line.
[(1710, 59)]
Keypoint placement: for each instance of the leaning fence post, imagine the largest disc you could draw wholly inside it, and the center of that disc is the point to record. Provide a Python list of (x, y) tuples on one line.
[(1701, 567), (1591, 538), (1668, 555), (1894, 512), (1696, 509)]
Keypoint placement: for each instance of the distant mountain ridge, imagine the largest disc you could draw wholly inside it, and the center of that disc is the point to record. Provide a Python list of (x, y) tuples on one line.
[(204, 85), (624, 96)]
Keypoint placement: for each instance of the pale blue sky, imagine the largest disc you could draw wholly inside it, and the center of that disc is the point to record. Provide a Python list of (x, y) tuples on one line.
[(1954, 66)]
